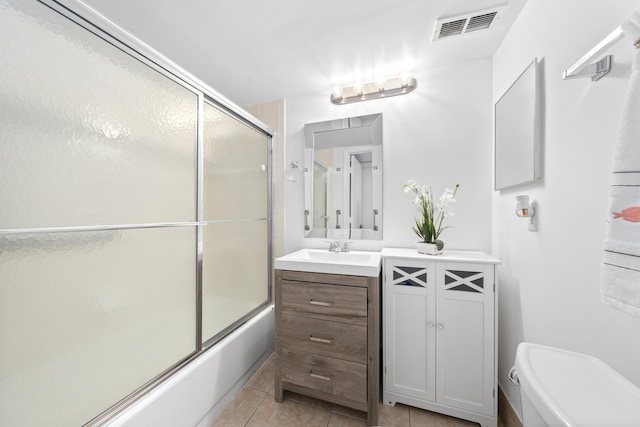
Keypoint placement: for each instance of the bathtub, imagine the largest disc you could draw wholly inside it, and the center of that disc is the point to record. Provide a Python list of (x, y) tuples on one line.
[(197, 394)]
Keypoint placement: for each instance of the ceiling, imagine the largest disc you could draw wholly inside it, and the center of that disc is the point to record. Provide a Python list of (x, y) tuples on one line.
[(254, 51)]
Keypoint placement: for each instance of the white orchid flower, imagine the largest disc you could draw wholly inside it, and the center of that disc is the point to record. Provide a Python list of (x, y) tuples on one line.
[(409, 186), (430, 224), (446, 198)]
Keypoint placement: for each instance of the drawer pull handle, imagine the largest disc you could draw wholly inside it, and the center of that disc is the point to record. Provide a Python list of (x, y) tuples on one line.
[(320, 303), (322, 340), (320, 377)]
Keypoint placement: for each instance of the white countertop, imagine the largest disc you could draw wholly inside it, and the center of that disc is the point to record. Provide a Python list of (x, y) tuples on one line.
[(446, 255), (354, 263)]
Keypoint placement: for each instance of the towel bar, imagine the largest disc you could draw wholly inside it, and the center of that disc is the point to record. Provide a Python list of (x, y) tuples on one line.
[(596, 70)]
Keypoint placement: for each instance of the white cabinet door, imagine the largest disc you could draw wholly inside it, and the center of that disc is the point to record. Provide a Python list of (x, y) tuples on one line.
[(465, 336), (409, 328)]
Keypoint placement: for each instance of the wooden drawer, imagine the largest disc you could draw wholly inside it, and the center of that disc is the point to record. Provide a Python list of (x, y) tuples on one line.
[(330, 302), (333, 376), (340, 340)]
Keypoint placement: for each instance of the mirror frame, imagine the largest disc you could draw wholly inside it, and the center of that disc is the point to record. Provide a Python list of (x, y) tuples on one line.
[(357, 124), (517, 131)]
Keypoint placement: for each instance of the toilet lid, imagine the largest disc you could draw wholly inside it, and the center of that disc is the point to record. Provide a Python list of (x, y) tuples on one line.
[(573, 389)]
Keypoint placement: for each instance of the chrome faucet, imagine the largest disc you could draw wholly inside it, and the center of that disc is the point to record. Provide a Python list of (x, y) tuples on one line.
[(335, 247)]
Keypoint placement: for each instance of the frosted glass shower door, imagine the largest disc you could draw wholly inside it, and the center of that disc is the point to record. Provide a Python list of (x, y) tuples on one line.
[(109, 140), (235, 266), (88, 317), (97, 151)]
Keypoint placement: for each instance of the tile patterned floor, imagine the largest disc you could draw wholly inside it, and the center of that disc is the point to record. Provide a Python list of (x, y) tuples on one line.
[(255, 406)]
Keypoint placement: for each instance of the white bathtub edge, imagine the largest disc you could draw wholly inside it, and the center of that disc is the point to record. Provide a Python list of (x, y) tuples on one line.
[(201, 391)]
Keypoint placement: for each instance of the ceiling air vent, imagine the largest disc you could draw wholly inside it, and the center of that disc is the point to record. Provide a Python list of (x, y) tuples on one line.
[(462, 24), (453, 28)]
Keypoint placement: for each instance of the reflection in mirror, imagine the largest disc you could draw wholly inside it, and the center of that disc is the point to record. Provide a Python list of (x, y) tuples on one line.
[(343, 178), (320, 217)]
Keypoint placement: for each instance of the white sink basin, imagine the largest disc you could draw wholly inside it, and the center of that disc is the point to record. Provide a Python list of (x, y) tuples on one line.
[(354, 263)]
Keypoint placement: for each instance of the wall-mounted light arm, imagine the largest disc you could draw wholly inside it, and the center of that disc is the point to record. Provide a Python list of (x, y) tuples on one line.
[(585, 67)]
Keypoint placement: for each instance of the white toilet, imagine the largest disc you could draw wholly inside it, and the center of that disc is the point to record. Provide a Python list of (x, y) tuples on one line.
[(563, 388)]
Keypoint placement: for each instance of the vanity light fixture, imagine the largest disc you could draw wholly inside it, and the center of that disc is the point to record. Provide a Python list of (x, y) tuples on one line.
[(380, 88), (526, 210)]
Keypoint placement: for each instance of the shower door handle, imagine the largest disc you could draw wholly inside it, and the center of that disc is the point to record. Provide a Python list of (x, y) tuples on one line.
[(306, 220), (338, 212), (375, 214)]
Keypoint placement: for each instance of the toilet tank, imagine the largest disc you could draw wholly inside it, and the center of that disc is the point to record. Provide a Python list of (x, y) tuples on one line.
[(563, 388)]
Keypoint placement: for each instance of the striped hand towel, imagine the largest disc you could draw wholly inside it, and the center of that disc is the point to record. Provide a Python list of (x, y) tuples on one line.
[(620, 274)]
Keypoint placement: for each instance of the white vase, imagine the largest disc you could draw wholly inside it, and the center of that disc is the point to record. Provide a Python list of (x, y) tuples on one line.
[(428, 248)]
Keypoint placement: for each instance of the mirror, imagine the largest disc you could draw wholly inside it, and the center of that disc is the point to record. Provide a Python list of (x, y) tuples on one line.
[(343, 178), (517, 132)]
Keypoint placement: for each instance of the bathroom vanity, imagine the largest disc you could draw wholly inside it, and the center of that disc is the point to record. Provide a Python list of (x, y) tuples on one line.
[(328, 328), (439, 333), (439, 330)]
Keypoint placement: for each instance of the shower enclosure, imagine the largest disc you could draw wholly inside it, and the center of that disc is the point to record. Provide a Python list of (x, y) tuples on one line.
[(134, 218)]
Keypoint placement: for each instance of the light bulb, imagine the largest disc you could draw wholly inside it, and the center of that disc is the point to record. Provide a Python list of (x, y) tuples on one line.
[(405, 78), (336, 92), (523, 208), (358, 87), (380, 83)]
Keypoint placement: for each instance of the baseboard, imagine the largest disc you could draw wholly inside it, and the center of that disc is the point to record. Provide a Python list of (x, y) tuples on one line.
[(506, 412)]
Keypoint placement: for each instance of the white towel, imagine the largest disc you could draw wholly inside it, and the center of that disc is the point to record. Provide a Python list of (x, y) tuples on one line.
[(620, 274)]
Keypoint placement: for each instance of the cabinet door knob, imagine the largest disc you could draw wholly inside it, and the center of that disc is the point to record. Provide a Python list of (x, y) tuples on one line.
[(440, 326), (430, 324)]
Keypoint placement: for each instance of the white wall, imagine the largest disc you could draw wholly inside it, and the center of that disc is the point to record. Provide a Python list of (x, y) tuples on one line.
[(549, 280), (440, 135)]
